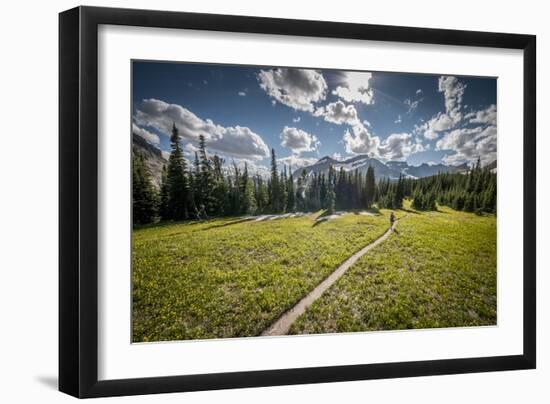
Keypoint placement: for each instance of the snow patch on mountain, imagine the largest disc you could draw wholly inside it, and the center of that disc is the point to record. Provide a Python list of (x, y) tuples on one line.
[(390, 170)]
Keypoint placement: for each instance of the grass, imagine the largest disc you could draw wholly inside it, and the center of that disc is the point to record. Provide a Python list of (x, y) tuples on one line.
[(232, 278), (439, 270)]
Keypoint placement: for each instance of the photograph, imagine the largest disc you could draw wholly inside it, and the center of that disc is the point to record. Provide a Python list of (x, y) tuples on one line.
[(281, 201)]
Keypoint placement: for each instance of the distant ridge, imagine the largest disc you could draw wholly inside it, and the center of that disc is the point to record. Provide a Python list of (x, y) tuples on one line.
[(391, 170)]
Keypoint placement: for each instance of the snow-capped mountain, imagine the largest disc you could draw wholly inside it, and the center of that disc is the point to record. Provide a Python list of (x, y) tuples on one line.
[(425, 169), (391, 169)]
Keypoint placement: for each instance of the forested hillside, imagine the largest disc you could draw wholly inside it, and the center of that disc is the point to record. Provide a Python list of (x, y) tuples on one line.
[(206, 187)]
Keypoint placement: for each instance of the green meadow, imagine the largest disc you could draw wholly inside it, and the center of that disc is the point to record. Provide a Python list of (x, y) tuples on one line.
[(438, 270), (233, 277)]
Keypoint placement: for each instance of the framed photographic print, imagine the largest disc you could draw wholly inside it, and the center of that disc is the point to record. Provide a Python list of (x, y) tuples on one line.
[(250, 201)]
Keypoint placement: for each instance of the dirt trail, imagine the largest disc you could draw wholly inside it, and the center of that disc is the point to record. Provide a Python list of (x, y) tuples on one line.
[(283, 323)]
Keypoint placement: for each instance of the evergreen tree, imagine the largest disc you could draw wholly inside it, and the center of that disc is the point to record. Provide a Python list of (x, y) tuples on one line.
[(195, 186), (341, 190), (273, 187), (262, 197), (399, 194), (207, 203), (283, 192), (291, 193), (220, 188), (323, 191), (301, 192), (331, 196), (177, 180), (356, 183), (370, 186), (248, 199), (474, 191), (163, 209), (236, 193), (489, 198), (469, 202), (430, 201)]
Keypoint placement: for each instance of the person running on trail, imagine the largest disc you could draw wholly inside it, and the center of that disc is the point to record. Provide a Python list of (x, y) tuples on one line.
[(392, 219)]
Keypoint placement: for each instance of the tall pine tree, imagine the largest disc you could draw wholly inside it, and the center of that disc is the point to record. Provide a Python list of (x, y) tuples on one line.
[(273, 187), (163, 208), (248, 204), (207, 204), (370, 186), (291, 193), (177, 180)]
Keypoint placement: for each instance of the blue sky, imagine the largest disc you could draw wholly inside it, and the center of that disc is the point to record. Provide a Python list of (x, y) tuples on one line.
[(305, 114)]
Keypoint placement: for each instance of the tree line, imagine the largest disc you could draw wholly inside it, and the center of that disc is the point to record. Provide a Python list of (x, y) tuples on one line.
[(207, 188), (475, 191)]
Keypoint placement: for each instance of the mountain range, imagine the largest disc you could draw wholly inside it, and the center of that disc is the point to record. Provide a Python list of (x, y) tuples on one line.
[(390, 169)]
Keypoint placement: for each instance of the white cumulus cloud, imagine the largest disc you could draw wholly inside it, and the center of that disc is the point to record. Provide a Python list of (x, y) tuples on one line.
[(464, 141), (438, 123), (338, 113), (298, 140), (453, 92), (355, 88), (399, 146), (468, 144), (359, 140), (485, 116), (237, 141), (299, 89)]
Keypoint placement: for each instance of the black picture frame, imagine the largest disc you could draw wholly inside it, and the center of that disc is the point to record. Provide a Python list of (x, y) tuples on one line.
[(78, 201)]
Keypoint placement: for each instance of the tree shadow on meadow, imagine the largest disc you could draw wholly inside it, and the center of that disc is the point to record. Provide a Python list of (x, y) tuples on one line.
[(225, 224), (414, 212)]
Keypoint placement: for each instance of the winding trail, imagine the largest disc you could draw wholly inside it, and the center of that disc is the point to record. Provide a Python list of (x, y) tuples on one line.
[(283, 323)]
